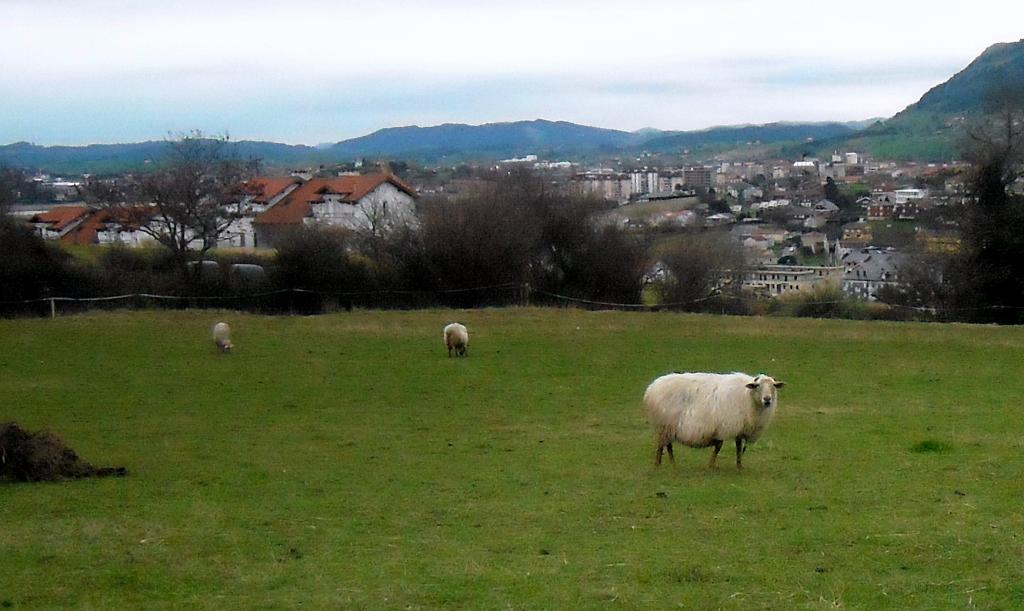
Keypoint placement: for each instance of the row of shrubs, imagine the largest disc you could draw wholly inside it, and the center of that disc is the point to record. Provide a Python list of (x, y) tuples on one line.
[(337, 275), (519, 242), (32, 268)]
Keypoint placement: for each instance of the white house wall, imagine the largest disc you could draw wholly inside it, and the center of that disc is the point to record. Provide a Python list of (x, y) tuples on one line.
[(335, 213), (387, 203), (239, 234), (128, 237), (398, 204)]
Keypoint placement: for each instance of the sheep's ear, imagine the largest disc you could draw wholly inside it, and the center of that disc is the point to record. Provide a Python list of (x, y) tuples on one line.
[(779, 384), (753, 385)]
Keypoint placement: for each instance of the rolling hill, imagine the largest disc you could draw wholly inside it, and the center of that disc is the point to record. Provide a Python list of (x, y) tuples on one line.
[(769, 133), (926, 131), (966, 91), (136, 156), (448, 143), (491, 140)]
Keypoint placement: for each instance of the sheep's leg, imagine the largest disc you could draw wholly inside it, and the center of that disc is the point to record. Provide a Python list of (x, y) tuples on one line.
[(671, 456), (663, 439), (714, 456), (741, 449)]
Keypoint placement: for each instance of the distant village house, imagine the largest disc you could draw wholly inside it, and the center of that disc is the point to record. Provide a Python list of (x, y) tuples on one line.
[(368, 202)]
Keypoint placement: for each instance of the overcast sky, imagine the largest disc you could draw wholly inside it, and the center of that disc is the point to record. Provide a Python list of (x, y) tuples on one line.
[(311, 71)]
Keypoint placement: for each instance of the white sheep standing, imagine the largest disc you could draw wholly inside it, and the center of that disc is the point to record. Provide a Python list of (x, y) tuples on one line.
[(705, 409), (222, 336), (456, 337)]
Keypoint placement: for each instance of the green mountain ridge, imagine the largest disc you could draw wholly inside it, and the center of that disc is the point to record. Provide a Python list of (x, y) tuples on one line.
[(440, 144), (926, 130), (965, 92)]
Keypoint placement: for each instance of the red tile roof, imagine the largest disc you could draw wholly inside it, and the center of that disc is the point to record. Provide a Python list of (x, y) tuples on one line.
[(60, 217), (98, 220), (296, 206), (86, 232), (264, 188)]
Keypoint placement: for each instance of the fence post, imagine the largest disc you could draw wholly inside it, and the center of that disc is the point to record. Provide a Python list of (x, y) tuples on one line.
[(53, 308)]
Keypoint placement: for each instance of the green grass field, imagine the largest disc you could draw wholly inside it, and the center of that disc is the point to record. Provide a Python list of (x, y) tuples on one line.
[(644, 210), (345, 461)]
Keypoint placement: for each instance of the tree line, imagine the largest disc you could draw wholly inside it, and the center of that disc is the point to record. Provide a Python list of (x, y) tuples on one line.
[(983, 279), (518, 230)]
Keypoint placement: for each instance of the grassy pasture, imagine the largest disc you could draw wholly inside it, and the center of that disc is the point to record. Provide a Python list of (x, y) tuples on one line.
[(644, 210), (344, 461)]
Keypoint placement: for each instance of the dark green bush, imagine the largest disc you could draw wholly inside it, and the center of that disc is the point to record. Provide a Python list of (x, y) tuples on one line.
[(32, 268)]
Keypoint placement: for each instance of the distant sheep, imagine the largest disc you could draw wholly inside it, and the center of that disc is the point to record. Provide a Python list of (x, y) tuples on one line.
[(222, 336), (456, 338), (705, 409)]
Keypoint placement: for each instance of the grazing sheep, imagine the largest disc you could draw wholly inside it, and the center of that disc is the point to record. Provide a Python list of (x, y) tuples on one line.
[(222, 336), (705, 409), (456, 337)]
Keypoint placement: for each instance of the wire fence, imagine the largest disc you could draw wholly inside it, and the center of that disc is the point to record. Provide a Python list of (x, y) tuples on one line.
[(308, 301), (280, 301)]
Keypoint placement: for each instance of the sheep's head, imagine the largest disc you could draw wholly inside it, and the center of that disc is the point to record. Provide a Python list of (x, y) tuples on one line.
[(227, 346), (765, 390)]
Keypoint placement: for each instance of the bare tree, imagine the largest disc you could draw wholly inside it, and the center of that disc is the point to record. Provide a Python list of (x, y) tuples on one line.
[(522, 229), (377, 223), (374, 218), (10, 181), (995, 141), (478, 240), (987, 277), (701, 267), (188, 203)]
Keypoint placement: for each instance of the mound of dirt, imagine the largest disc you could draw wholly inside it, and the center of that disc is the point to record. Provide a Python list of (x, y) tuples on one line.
[(42, 456)]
